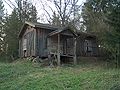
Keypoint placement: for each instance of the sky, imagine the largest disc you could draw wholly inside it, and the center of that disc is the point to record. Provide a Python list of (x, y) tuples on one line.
[(37, 3)]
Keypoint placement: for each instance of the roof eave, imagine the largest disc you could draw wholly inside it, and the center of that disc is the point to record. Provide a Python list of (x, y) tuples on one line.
[(25, 23)]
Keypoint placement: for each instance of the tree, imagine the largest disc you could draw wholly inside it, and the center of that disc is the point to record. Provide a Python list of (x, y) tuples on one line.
[(1, 10), (64, 9), (11, 28), (1, 25), (55, 20), (92, 16), (13, 24), (67, 10), (102, 16), (112, 37), (27, 11)]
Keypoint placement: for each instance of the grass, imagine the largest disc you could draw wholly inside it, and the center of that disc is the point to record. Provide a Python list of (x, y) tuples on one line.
[(24, 75)]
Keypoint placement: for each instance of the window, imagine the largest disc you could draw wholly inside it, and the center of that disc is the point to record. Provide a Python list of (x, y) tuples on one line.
[(88, 46)]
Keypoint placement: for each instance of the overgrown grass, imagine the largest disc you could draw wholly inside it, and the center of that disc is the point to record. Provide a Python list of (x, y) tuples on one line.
[(24, 75)]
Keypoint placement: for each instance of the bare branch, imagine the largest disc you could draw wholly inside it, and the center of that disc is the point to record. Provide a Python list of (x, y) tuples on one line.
[(8, 4), (45, 9), (58, 7)]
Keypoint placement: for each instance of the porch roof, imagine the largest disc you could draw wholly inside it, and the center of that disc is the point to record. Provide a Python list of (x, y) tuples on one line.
[(60, 31)]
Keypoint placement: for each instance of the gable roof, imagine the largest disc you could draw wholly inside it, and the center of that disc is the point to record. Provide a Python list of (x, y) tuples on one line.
[(60, 31), (36, 25), (55, 32), (51, 27)]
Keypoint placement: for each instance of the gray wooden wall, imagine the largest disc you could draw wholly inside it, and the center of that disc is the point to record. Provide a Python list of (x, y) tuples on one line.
[(41, 43), (81, 46), (30, 36)]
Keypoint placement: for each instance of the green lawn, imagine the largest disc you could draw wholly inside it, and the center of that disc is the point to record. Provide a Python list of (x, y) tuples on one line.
[(24, 75)]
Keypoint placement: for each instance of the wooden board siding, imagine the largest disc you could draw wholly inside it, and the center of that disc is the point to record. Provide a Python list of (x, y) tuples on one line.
[(95, 47), (52, 45), (30, 36), (42, 42), (66, 45), (38, 44), (45, 33), (81, 46), (35, 42), (39, 41), (20, 48)]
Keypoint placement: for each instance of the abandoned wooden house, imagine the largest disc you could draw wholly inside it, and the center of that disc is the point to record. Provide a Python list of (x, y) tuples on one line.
[(43, 40)]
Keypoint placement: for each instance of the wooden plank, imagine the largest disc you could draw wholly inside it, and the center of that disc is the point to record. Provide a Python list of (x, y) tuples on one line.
[(38, 42), (36, 50), (75, 58), (43, 43), (20, 47), (58, 56), (35, 40), (32, 44), (28, 44), (22, 52)]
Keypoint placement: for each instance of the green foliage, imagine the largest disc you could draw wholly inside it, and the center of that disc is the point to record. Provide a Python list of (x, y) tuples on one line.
[(27, 11), (24, 75), (11, 29), (102, 16), (1, 26), (112, 35), (92, 16)]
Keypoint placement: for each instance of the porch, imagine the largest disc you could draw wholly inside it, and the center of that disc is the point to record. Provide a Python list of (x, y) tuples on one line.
[(87, 45), (61, 46)]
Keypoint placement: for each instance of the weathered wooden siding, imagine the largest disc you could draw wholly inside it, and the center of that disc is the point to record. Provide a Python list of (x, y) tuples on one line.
[(42, 42), (53, 44), (20, 48), (66, 44), (81, 46), (38, 43), (95, 47), (30, 36)]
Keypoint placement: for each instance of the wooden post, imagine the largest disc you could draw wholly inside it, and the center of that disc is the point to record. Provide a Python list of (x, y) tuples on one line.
[(58, 52), (75, 57), (35, 36)]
